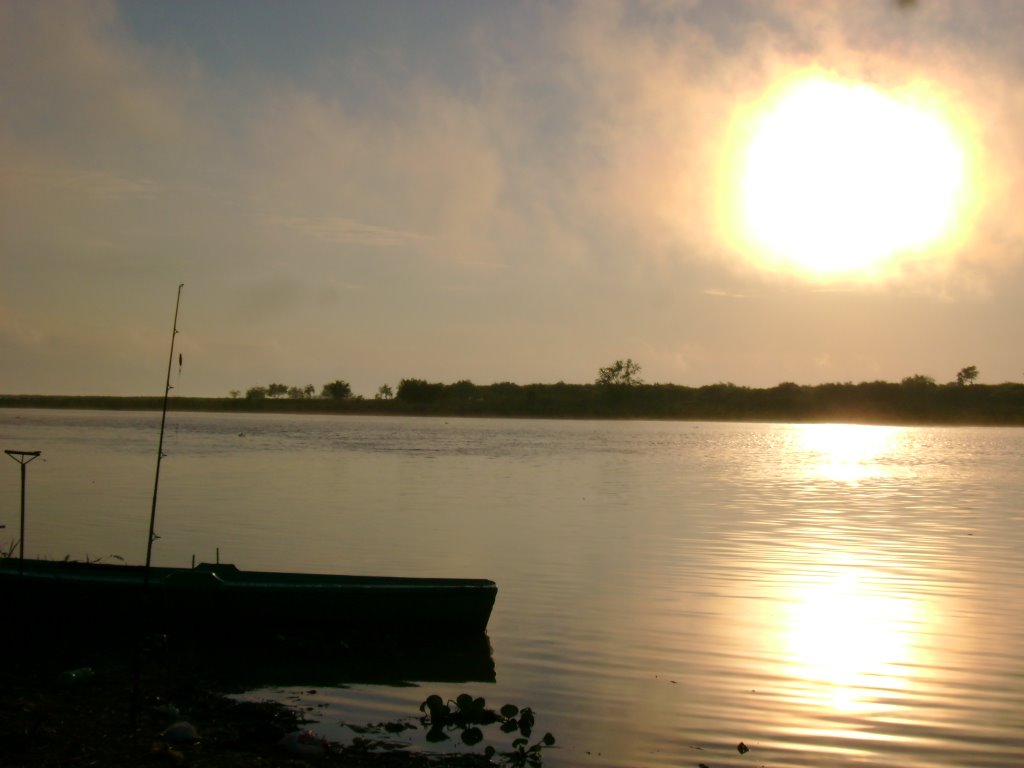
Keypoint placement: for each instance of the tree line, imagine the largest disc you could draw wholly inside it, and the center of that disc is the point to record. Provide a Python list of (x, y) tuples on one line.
[(618, 391), (334, 390)]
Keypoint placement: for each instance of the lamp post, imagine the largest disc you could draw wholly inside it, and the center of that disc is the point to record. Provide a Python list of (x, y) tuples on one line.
[(23, 458)]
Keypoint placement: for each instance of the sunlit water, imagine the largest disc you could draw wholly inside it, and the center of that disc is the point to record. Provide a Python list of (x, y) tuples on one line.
[(828, 595)]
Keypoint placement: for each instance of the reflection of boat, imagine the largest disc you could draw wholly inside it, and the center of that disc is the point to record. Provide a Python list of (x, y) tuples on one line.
[(394, 661), (220, 600)]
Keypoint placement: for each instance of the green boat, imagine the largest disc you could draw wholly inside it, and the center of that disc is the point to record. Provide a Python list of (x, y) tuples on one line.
[(219, 599)]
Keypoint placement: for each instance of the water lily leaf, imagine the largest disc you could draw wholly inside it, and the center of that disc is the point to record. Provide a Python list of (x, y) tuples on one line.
[(509, 710), (548, 740), (432, 703), (509, 726), (464, 701), (518, 743), (435, 735), (472, 736)]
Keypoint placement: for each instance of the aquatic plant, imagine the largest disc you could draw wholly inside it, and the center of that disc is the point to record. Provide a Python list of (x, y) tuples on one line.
[(468, 716)]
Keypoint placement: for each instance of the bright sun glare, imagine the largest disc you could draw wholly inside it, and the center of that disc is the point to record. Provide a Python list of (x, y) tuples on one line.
[(836, 179)]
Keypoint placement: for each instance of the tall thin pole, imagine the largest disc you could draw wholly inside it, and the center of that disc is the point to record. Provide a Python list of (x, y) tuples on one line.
[(160, 446), (137, 672), (21, 532), (23, 458)]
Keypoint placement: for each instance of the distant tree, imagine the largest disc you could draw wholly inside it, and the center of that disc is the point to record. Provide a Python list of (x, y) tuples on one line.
[(301, 393), (620, 373), (418, 391), (967, 375), (235, 394), (309, 390), (384, 393), (918, 380), (277, 390), (337, 390), (255, 393), (464, 388)]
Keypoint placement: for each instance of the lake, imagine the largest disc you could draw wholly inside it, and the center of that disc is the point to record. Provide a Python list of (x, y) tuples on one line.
[(829, 595)]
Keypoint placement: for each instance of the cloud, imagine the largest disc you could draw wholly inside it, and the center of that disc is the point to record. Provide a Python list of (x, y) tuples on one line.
[(337, 230), (551, 174), (94, 183), (720, 294)]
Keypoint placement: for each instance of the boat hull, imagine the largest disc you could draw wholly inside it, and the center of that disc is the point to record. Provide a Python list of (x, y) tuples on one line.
[(220, 599)]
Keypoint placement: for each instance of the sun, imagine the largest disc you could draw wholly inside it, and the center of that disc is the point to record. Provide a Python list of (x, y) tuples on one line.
[(835, 179)]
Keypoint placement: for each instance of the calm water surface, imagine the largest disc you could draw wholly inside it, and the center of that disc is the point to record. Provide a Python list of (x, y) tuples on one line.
[(829, 595)]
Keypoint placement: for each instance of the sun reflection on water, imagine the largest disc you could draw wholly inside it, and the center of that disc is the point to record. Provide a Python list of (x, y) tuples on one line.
[(849, 634), (847, 453)]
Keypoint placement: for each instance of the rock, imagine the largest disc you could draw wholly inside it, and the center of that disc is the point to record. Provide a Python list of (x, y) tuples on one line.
[(303, 744), (181, 732)]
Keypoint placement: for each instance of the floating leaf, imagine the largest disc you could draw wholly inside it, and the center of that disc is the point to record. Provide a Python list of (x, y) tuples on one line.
[(472, 736), (509, 710), (742, 748), (489, 752), (509, 726), (432, 703), (520, 742), (548, 740), (435, 735), (464, 701)]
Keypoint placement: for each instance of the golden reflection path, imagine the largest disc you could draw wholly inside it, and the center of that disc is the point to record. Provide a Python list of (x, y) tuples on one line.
[(846, 452), (844, 627)]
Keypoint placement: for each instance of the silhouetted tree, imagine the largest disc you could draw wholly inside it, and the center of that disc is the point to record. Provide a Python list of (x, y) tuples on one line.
[(384, 393), (620, 373), (277, 390), (419, 391), (235, 394), (255, 393), (919, 381), (337, 390), (967, 375)]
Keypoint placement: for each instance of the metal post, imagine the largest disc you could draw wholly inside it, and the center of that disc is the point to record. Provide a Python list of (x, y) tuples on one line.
[(23, 458)]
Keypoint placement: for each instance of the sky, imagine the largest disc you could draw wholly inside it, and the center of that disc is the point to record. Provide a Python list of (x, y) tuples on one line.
[(504, 191)]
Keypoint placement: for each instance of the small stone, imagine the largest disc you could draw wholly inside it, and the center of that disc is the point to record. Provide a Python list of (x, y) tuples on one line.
[(181, 732), (303, 743)]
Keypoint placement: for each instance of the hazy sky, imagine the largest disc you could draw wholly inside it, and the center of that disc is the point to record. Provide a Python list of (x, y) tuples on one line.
[(494, 191)]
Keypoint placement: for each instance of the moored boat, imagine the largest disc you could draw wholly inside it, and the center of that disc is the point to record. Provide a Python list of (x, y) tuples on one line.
[(219, 599)]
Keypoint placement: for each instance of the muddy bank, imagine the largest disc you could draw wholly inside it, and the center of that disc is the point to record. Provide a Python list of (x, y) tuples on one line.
[(75, 709)]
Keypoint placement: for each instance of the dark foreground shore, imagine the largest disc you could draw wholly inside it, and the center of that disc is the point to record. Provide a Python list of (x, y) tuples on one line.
[(54, 715)]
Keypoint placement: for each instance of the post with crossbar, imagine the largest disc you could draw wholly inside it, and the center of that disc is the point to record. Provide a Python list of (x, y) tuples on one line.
[(23, 458)]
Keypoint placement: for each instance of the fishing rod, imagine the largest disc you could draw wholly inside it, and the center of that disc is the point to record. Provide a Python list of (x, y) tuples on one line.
[(160, 447), (137, 671)]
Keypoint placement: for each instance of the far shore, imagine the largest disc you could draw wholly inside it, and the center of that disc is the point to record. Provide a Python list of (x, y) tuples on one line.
[(906, 403)]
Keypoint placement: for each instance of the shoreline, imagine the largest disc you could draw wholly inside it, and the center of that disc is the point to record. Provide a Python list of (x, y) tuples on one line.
[(72, 708), (877, 404)]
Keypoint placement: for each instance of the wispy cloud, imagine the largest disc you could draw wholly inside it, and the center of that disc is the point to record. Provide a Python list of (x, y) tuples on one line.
[(720, 294), (340, 230), (99, 184)]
